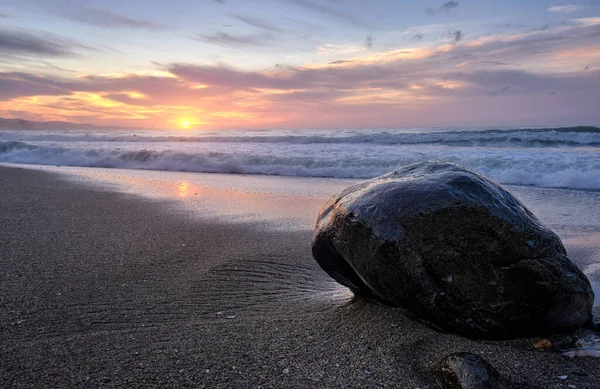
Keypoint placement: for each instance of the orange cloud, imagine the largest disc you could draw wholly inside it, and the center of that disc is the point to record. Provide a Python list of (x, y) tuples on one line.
[(370, 84)]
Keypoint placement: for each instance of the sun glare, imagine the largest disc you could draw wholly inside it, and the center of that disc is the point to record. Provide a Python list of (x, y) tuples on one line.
[(186, 123)]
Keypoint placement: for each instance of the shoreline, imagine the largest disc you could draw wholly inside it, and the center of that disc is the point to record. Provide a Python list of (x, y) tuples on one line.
[(109, 289), (70, 169)]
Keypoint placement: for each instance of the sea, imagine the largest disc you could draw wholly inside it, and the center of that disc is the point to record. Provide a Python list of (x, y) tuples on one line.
[(567, 157)]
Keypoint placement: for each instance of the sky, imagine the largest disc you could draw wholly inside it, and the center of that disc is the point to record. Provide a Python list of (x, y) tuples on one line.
[(262, 64)]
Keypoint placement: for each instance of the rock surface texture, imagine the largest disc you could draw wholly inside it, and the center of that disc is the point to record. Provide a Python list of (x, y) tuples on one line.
[(456, 250)]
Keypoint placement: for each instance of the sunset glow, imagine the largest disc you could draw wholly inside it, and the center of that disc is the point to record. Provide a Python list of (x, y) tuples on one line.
[(334, 64)]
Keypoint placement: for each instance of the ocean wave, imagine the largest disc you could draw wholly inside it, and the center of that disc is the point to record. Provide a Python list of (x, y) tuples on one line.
[(541, 137), (547, 169)]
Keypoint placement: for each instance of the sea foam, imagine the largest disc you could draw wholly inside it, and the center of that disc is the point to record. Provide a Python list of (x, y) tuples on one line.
[(541, 157)]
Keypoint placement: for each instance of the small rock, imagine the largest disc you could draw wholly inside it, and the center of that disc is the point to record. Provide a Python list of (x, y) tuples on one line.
[(543, 344), (561, 342), (469, 371), (464, 370)]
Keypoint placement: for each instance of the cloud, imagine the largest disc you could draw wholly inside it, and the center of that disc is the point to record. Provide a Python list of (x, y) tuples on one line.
[(3, 15), (493, 63), (505, 26), (398, 69), (31, 63), (131, 89), (359, 95), (307, 97), (97, 16), (331, 78), (588, 22), (527, 83), (341, 61), (497, 92), (416, 34), (369, 41), (257, 22), (11, 88), (578, 39), (331, 49), (463, 57), (52, 66), (106, 18), (124, 98), (333, 12), (223, 38), (481, 72), (447, 6), (29, 44), (565, 8), (225, 77), (455, 36)]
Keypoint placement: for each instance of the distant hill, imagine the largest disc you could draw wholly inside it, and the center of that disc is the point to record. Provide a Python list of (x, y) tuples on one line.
[(22, 124)]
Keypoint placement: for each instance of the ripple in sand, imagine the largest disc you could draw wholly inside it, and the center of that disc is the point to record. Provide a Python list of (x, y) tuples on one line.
[(270, 286)]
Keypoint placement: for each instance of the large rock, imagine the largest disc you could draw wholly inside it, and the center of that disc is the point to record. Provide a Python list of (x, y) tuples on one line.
[(456, 250)]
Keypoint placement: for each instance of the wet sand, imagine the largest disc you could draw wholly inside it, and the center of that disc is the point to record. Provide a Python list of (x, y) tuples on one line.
[(105, 289)]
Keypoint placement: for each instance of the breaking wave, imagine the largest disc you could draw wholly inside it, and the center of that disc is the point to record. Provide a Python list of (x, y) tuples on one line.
[(547, 167)]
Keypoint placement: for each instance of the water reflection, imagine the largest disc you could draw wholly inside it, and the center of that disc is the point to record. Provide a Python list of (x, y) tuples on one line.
[(183, 189), (288, 203)]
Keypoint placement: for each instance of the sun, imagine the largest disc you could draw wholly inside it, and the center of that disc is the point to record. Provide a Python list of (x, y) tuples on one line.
[(186, 122)]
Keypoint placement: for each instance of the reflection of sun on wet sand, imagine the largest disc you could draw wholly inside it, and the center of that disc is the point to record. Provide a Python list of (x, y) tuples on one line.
[(102, 289)]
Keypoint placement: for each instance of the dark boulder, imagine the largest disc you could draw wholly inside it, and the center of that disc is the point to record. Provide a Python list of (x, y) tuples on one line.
[(468, 371), (456, 250)]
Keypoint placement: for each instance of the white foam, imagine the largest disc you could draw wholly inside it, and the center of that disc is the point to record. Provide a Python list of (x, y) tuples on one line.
[(550, 158)]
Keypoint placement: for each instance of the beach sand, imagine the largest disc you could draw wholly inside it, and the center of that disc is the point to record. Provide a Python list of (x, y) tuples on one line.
[(101, 288)]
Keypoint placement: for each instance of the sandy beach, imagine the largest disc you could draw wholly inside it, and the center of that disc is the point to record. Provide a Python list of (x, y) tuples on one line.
[(103, 287)]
